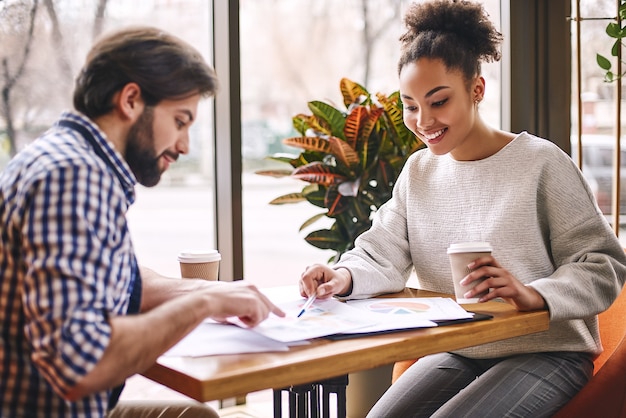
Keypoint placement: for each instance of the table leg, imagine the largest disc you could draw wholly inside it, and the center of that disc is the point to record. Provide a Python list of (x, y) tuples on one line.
[(336, 385), (278, 403), (313, 400)]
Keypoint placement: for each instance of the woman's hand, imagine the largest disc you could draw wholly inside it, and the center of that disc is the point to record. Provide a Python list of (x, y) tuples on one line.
[(502, 284), (325, 280)]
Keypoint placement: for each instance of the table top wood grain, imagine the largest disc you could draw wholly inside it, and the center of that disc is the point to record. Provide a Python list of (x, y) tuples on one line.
[(226, 376)]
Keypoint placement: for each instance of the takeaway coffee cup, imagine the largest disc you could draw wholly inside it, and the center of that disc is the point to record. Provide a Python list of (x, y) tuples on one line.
[(199, 264), (461, 255)]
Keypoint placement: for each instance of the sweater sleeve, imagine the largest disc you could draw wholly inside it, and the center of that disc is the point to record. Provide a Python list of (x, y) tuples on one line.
[(589, 260), (381, 262)]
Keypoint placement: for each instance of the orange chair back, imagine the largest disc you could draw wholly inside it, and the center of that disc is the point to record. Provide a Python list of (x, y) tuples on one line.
[(605, 394), (612, 329)]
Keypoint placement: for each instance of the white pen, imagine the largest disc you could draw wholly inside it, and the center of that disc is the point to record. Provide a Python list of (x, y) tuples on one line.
[(308, 303)]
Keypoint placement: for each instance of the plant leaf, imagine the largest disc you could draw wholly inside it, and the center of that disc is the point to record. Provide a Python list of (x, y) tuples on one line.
[(343, 152), (609, 76), (282, 158), (315, 196), (317, 172), (368, 151), (603, 62), (402, 136), (354, 123), (311, 221), (335, 119), (288, 198), (622, 10), (274, 173), (303, 123), (309, 143), (370, 122), (325, 239), (352, 92), (386, 175), (335, 202), (613, 29), (616, 48), (300, 123)]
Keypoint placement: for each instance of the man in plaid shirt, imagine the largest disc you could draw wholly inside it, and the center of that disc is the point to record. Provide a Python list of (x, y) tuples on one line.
[(77, 314)]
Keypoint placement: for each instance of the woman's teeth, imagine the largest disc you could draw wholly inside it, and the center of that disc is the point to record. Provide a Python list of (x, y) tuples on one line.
[(433, 135)]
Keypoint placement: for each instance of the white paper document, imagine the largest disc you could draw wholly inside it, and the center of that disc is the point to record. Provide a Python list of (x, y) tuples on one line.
[(432, 309), (324, 317), (211, 338)]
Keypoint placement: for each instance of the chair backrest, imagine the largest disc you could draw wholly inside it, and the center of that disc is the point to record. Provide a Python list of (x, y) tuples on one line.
[(612, 329), (605, 394)]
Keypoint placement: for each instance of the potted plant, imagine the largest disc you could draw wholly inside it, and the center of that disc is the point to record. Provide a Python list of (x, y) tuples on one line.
[(617, 31), (350, 158)]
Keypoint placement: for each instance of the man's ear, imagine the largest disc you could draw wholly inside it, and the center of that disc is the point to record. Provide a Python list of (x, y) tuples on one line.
[(129, 102)]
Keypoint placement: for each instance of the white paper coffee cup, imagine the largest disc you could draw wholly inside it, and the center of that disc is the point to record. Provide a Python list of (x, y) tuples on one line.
[(199, 264), (461, 254)]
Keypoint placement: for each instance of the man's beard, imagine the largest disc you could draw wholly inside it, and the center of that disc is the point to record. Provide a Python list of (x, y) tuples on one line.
[(140, 155)]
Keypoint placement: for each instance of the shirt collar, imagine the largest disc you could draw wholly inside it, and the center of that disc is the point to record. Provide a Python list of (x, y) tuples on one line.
[(103, 148)]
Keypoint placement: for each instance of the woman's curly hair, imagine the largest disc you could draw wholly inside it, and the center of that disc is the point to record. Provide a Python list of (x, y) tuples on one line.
[(458, 32)]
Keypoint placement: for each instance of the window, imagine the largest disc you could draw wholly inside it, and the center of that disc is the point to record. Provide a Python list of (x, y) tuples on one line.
[(293, 52), (594, 110), (176, 214)]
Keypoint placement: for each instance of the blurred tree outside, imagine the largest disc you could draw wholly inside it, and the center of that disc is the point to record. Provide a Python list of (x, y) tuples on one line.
[(294, 50), (37, 68)]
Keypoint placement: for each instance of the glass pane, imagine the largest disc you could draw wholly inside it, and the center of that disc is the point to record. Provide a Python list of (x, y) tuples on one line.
[(178, 212), (597, 115), (293, 52)]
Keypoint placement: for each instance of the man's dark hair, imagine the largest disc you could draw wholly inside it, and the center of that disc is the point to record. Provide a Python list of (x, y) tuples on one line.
[(163, 66)]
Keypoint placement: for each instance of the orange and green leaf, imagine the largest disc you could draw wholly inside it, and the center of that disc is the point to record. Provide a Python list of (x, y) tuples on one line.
[(335, 202), (317, 172), (352, 92), (302, 123), (354, 123), (325, 239), (370, 122), (309, 143), (288, 198), (334, 118), (274, 173), (311, 221), (343, 152)]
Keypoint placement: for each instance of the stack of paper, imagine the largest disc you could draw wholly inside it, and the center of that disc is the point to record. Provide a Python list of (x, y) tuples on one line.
[(324, 317), (406, 313)]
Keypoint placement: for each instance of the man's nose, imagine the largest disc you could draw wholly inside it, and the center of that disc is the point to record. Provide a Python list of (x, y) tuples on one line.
[(182, 145)]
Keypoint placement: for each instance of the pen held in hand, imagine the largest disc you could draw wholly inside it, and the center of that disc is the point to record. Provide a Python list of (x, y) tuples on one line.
[(308, 303)]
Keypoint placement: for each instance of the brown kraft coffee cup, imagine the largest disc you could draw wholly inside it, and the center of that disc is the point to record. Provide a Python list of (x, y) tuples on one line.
[(199, 264), (461, 255)]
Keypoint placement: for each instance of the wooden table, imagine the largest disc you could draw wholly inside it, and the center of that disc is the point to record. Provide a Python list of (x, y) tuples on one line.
[(228, 376)]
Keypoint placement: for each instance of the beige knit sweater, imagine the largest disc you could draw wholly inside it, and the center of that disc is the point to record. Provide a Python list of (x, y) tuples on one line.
[(532, 204)]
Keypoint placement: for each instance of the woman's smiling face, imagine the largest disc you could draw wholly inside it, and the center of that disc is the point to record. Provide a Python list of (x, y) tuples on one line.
[(438, 107)]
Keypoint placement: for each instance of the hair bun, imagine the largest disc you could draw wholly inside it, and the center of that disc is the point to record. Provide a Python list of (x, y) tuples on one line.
[(465, 20)]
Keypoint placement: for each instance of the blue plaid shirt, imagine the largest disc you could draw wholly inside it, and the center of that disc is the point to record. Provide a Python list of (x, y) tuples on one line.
[(66, 266)]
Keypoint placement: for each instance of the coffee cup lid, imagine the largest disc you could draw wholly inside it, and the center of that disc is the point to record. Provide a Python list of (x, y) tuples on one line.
[(463, 247), (199, 256)]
